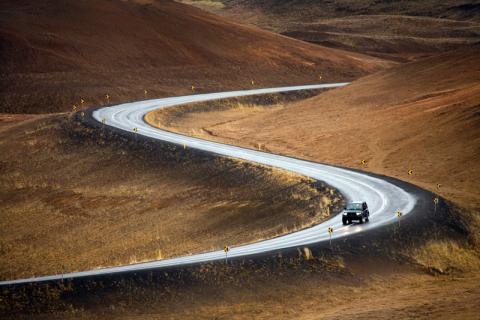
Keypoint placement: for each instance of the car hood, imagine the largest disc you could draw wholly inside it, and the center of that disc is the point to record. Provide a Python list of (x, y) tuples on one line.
[(352, 211)]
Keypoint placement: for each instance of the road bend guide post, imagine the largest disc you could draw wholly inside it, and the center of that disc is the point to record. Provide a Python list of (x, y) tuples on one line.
[(435, 202), (399, 215), (226, 249), (330, 231)]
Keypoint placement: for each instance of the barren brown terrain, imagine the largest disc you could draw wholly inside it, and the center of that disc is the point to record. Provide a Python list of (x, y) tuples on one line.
[(397, 31), (421, 116), (75, 198), (75, 195), (394, 37), (275, 14), (56, 53), (314, 288)]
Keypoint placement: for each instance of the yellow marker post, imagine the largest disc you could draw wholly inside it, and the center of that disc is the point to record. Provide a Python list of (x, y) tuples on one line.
[(145, 93), (104, 121), (226, 249), (438, 185), (135, 130), (363, 162), (82, 114), (399, 215), (82, 101), (410, 172), (436, 200), (253, 82), (74, 108), (193, 88), (330, 231), (107, 96)]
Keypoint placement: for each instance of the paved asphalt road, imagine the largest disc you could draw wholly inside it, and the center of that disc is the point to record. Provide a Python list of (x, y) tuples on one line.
[(383, 197)]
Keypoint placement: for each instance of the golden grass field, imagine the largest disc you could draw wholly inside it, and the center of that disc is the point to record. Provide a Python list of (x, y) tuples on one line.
[(75, 198)]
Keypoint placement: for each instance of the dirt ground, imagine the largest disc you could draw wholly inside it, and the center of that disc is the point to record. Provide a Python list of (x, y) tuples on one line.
[(320, 288), (74, 198), (58, 52), (421, 116), (398, 31)]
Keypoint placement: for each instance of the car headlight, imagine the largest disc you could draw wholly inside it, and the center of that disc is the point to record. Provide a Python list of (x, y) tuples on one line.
[(344, 213), (359, 213)]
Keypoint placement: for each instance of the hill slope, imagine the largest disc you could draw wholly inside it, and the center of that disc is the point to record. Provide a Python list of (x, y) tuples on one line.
[(310, 10), (396, 30), (422, 115), (56, 52)]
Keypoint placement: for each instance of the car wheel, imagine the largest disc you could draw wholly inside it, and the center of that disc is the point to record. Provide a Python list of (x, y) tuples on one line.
[(360, 220), (344, 221), (349, 221), (367, 219)]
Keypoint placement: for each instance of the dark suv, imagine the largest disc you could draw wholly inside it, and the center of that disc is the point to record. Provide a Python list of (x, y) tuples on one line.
[(355, 211)]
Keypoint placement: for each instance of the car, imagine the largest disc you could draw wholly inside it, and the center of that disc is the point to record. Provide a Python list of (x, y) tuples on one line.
[(355, 211)]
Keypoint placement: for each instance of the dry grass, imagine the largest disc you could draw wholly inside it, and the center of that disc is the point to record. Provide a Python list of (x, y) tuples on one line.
[(210, 4), (393, 31), (303, 287), (122, 48), (446, 256), (401, 119), (74, 198), (186, 118)]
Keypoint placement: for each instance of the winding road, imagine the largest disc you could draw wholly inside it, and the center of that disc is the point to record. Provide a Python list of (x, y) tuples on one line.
[(383, 197)]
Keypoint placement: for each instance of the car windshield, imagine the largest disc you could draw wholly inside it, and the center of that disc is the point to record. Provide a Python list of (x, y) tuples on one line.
[(354, 206)]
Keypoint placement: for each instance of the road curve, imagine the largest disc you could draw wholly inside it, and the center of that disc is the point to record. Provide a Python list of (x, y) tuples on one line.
[(384, 198)]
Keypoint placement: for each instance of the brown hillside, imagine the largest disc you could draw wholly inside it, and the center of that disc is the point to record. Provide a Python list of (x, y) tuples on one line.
[(81, 198), (310, 10), (422, 115), (393, 37), (56, 52), (396, 30)]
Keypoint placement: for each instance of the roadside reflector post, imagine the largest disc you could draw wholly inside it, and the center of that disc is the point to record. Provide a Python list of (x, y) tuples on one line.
[(438, 185), (193, 88), (398, 214), (74, 108), (252, 82), (410, 172), (82, 114), (104, 121), (136, 131), (226, 249), (436, 200), (107, 96), (145, 93), (330, 231), (82, 102), (363, 163)]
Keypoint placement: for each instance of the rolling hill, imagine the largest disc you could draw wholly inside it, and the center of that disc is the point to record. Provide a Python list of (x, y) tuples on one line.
[(422, 115), (396, 30), (56, 52)]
